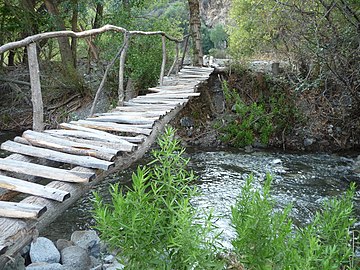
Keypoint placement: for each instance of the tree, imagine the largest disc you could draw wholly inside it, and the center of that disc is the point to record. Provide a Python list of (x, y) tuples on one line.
[(65, 49), (195, 31)]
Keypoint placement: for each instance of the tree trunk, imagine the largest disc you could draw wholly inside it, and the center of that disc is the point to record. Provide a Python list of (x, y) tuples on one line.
[(74, 23), (195, 32), (98, 15), (64, 45)]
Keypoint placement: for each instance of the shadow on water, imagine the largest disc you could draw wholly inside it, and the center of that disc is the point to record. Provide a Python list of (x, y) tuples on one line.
[(305, 180)]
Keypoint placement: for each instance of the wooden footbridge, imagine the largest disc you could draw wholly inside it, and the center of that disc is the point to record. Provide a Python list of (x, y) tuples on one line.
[(54, 168)]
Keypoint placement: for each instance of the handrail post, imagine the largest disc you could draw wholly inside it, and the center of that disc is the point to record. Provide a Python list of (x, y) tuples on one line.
[(36, 97), (176, 60), (162, 72), (121, 89), (186, 41)]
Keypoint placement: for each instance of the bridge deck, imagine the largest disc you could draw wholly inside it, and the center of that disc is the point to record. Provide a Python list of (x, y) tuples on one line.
[(79, 155)]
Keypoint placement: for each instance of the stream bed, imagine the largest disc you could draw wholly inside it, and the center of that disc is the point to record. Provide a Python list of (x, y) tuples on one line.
[(305, 180)]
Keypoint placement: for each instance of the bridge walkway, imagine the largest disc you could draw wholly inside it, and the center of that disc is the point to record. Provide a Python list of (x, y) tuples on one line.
[(54, 168)]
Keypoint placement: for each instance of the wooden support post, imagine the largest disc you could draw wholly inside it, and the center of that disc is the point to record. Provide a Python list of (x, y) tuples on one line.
[(186, 41), (176, 60), (121, 90), (162, 72), (36, 97)]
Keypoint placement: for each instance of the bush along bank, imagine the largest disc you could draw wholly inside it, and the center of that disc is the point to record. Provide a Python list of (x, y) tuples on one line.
[(154, 226)]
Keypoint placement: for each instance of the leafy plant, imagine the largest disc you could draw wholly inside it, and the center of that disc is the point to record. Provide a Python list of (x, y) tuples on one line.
[(153, 224), (261, 233), (266, 238), (250, 121)]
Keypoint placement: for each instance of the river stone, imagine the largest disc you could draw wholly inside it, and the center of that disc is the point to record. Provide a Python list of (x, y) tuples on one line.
[(63, 243), (88, 240), (186, 122), (45, 266), (75, 258), (44, 250), (18, 263)]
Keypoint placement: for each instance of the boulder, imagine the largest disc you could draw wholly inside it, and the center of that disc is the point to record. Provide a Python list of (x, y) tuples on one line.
[(75, 258), (45, 266), (44, 250), (63, 243), (88, 240)]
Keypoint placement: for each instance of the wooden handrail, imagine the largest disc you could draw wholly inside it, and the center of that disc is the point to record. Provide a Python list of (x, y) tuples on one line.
[(34, 38), (30, 41)]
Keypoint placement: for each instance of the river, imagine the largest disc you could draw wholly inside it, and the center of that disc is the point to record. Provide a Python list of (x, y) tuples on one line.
[(305, 180)]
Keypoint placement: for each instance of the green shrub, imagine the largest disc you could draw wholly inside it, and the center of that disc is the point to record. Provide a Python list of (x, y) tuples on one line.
[(266, 238), (266, 115), (153, 225), (249, 122)]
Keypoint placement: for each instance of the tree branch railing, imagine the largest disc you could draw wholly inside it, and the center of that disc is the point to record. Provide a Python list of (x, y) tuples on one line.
[(29, 42)]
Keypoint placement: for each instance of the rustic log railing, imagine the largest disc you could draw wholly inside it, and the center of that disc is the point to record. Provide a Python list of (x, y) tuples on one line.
[(30, 43)]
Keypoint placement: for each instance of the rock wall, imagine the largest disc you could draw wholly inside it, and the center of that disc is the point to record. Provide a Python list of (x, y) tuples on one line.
[(214, 11)]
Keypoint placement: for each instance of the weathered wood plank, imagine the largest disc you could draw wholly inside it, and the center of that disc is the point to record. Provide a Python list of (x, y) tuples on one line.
[(144, 108), (66, 149), (44, 171), (170, 96), (92, 138), (21, 210), (47, 141), (102, 135), (108, 126), (135, 120), (85, 161), (26, 187), (145, 114), (83, 144), (139, 102)]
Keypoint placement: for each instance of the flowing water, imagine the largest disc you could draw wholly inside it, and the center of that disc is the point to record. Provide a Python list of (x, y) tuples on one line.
[(305, 180)]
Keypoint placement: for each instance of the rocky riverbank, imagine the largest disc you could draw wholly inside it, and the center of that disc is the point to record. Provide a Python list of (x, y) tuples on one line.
[(83, 251)]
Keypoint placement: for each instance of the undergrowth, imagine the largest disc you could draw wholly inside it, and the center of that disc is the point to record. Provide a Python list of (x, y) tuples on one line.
[(153, 225), (267, 239), (262, 109)]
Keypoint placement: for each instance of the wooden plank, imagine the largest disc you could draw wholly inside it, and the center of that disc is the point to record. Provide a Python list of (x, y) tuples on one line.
[(171, 95), (102, 135), (65, 149), (26, 187), (21, 210), (44, 171), (136, 120), (84, 161), (109, 126), (85, 145), (140, 102), (197, 68), (144, 108), (145, 114), (92, 138), (47, 141)]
